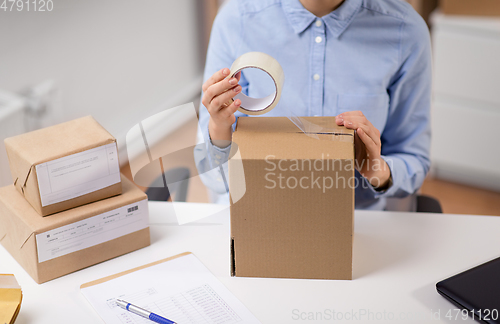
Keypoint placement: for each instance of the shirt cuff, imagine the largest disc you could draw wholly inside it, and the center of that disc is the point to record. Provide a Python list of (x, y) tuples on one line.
[(217, 155)]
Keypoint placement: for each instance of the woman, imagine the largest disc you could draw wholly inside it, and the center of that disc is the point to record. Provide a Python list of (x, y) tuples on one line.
[(367, 62)]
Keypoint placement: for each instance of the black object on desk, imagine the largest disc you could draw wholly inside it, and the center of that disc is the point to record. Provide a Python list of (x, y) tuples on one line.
[(177, 180), (476, 290)]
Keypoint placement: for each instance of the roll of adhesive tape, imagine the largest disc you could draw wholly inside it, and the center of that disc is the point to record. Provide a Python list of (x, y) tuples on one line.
[(266, 63)]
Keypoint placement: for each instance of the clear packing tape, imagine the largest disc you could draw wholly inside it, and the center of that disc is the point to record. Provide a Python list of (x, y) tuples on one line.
[(259, 106)]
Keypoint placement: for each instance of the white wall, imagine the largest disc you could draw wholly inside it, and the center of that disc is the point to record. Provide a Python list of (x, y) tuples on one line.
[(116, 60), (466, 100)]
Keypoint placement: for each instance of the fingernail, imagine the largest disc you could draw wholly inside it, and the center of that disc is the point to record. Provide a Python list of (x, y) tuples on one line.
[(237, 89), (349, 123), (237, 103), (233, 81), (225, 71), (341, 119), (340, 116)]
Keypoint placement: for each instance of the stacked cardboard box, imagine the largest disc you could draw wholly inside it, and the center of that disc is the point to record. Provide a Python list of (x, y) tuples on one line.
[(64, 166), (69, 207)]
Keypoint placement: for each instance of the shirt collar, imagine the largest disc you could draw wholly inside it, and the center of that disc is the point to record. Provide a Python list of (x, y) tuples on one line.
[(336, 21)]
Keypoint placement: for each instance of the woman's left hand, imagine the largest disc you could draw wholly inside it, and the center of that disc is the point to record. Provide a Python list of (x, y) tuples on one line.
[(367, 145)]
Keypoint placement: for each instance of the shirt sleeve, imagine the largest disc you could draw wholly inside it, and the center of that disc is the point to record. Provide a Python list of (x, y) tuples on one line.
[(406, 138), (225, 38)]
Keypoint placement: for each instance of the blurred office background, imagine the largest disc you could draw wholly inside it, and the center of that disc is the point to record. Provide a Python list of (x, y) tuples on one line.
[(123, 61)]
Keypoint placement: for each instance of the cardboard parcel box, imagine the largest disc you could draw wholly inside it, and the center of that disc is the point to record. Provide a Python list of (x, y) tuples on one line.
[(65, 166), (50, 247), (295, 218)]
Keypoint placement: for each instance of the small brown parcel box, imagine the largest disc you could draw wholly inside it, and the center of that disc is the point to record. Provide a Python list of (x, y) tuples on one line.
[(295, 218), (65, 166), (470, 8), (50, 247)]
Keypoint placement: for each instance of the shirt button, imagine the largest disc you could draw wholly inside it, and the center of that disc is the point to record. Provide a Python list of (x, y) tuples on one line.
[(316, 77), (318, 23), (318, 39)]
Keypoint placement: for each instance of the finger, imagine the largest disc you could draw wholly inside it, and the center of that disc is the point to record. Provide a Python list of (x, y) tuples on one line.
[(339, 119), (371, 147), (372, 132), (217, 103), (219, 88), (216, 77), (354, 122), (231, 109), (238, 76), (360, 149), (350, 114)]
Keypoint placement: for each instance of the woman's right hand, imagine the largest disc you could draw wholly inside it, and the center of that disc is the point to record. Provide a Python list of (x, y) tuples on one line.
[(217, 94)]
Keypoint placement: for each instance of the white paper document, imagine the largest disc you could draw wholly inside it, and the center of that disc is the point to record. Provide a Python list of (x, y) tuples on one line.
[(182, 290), (78, 174), (92, 231)]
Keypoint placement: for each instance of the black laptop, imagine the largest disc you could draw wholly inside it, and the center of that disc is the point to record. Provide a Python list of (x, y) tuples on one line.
[(476, 290)]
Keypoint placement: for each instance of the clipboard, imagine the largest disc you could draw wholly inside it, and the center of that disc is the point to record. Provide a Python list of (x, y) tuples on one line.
[(180, 288), (120, 274)]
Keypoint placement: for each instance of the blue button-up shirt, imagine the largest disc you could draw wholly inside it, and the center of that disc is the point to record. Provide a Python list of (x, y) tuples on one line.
[(367, 55)]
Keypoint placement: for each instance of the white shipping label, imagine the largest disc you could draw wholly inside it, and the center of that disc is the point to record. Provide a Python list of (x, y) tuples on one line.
[(78, 174), (92, 231)]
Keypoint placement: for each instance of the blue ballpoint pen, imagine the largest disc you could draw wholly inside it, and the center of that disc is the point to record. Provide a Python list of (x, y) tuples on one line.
[(142, 312)]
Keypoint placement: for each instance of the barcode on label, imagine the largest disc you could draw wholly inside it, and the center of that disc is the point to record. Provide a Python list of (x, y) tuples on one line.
[(131, 209)]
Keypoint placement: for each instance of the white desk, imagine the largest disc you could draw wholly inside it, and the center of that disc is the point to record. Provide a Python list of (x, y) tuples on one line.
[(398, 258)]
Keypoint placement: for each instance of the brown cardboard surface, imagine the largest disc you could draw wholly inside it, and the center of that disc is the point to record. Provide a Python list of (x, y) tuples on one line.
[(275, 136), (285, 125), (303, 231), (472, 8), (27, 150), (19, 224)]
